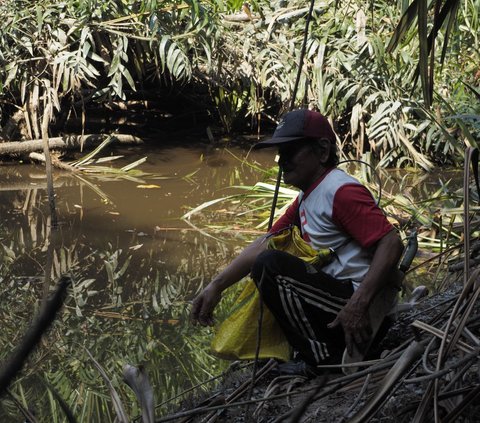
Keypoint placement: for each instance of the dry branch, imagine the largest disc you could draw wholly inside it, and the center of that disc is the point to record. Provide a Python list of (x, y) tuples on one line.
[(413, 351), (55, 162), (68, 142)]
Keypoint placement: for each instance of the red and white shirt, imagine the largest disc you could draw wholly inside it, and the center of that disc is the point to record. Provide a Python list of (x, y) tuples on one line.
[(338, 212)]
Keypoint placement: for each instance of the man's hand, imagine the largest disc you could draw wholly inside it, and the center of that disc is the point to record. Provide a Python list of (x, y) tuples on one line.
[(356, 325), (354, 317), (204, 304)]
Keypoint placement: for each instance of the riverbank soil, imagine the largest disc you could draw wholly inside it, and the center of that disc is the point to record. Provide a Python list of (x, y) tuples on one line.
[(335, 397)]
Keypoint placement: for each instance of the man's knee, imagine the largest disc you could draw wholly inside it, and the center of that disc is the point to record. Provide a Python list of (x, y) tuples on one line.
[(266, 261)]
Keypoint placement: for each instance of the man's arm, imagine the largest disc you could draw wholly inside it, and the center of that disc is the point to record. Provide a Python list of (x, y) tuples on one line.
[(205, 302), (354, 315)]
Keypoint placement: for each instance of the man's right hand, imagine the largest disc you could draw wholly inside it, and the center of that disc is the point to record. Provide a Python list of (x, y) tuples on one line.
[(204, 304)]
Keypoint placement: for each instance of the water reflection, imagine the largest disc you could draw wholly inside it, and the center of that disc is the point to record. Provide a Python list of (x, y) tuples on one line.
[(134, 265)]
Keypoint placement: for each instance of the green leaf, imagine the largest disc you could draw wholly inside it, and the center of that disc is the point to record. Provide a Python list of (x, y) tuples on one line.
[(405, 22), (133, 165), (128, 77), (423, 43)]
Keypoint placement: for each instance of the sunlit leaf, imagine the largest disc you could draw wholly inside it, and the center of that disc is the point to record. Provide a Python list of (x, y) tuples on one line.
[(149, 186)]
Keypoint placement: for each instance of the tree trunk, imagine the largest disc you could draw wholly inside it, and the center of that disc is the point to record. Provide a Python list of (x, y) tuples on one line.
[(68, 142)]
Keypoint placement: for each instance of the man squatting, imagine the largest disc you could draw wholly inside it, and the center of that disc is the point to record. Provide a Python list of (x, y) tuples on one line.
[(321, 310)]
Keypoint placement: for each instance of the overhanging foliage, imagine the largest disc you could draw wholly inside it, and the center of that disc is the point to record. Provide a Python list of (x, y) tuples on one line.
[(361, 68)]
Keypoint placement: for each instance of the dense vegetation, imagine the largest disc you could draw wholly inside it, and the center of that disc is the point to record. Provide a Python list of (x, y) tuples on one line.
[(59, 58)]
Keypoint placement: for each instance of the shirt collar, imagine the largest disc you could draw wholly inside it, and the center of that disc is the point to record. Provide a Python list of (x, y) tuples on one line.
[(316, 183)]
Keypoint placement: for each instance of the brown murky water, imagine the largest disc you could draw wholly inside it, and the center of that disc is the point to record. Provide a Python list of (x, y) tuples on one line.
[(141, 211)]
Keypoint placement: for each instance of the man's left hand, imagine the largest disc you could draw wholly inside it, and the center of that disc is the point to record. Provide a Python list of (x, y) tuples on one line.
[(356, 325)]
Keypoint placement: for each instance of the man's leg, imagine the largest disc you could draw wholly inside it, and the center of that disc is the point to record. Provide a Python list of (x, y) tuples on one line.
[(304, 301)]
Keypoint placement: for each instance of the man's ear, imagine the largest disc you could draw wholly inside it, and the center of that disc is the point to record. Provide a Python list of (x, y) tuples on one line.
[(323, 150)]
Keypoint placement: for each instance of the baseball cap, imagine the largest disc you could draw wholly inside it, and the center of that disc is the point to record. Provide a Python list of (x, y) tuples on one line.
[(299, 124)]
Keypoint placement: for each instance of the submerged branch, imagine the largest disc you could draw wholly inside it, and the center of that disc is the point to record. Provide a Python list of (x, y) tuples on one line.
[(55, 162)]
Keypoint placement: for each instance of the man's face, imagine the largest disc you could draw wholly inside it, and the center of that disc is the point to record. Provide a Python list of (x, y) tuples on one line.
[(299, 163)]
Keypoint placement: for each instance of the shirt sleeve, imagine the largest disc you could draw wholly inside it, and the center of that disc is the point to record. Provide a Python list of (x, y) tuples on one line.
[(355, 212), (290, 217)]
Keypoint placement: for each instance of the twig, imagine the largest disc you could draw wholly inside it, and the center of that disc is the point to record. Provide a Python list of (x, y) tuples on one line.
[(463, 346), (461, 265), (333, 384), (242, 388), (377, 377), (440, 373), (435, 257), (359, 396), (299, 411), (467, 400), (186, 391)]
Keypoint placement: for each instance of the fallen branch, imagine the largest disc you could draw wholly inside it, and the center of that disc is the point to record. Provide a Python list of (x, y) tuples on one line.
[(68, 142), (55, 162), (403, 363)]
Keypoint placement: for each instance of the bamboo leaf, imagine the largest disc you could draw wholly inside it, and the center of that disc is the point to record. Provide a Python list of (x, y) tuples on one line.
[(110, 272), (133, 165), (405, 22), (12, 73), (423, 43), (117, 403), (89, 157), (472, 89), (203, 206), (128, 77), (453, 7)]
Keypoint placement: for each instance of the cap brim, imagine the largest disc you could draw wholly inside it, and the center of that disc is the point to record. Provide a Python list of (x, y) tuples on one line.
[(275, 142)]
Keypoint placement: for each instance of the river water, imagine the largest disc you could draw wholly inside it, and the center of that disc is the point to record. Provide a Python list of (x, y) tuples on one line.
[(135, 264)]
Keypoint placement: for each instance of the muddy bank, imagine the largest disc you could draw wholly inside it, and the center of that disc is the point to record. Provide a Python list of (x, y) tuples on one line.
[(333, 397)]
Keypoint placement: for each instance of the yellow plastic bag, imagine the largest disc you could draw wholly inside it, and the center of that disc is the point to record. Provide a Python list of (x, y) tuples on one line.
[(236, 337)]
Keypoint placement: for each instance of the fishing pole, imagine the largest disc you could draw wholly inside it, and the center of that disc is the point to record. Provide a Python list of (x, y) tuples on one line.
[(292, 105), (274, 205)]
